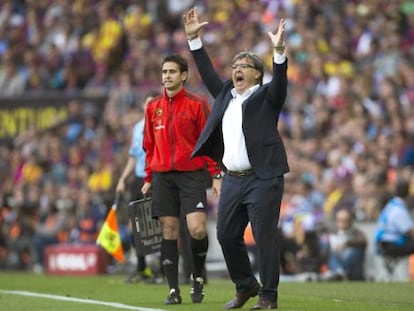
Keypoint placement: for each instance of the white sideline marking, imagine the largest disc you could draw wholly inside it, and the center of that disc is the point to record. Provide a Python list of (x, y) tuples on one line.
[(81, 300)]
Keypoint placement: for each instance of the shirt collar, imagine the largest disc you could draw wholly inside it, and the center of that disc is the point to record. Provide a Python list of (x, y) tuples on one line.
[(247, 93)]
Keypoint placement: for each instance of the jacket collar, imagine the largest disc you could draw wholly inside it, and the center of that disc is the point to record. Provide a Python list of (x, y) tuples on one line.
[(179, 95)]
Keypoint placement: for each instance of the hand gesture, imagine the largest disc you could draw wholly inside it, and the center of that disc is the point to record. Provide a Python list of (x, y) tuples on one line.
[(120, 187), (216, 186), (146, 188), (191, 23), (278, 38)]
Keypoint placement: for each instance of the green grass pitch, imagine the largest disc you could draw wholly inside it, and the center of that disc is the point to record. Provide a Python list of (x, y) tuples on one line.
[(353, 296)]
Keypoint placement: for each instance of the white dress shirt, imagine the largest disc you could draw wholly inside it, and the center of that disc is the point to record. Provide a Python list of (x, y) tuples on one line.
[(235, 153)]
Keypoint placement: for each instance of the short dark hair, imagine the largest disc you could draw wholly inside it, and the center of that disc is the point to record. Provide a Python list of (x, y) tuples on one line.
[(178, 59), (257, 63), (402, 188)]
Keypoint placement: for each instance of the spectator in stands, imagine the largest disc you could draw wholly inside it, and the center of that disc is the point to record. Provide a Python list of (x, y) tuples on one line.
[(52, 223), (18, 229), (74, 122), (347, 246), (300, 223), (89, 216), (3, 241), (341, 195), (12, 82), (395, 229)]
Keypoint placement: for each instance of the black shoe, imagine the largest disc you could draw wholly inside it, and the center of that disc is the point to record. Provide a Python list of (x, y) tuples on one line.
[(264, 304), (241, 298), (197, 290), (173, 298), (146, 273), (138, 276), (154, 280), (133, 277)]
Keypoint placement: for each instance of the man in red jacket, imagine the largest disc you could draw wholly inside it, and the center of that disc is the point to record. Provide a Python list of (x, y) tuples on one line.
[(173, 123)]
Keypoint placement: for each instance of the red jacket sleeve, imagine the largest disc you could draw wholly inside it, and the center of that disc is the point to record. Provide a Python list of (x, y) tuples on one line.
[(148, 145)]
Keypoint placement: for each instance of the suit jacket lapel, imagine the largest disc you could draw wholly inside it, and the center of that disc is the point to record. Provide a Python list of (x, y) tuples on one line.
[(226, 100)]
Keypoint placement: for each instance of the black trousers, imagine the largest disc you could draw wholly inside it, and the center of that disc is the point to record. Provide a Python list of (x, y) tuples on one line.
[(245, 199), (393, 250)]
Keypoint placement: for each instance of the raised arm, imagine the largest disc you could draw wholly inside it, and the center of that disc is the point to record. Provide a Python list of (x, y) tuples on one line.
[(278, 88), (192, 24), (210, 77)]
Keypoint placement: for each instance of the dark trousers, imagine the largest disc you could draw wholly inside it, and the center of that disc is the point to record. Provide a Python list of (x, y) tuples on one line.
[(245, 199), (398, 251)]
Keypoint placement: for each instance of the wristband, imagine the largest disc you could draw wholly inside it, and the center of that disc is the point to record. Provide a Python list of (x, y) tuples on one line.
[(280, 48), (189, 37)]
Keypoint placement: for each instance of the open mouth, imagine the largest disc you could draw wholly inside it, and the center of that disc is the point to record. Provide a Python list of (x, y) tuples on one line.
[(239, 79)]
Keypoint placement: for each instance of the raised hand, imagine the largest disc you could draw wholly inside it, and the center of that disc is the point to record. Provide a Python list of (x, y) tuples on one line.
[(191, 23), (278, 38)]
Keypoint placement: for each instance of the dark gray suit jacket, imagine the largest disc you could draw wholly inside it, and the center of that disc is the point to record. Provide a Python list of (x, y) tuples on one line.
[(261, 112)]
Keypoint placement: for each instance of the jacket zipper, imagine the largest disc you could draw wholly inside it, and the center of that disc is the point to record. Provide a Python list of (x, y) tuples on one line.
[(171, 133)]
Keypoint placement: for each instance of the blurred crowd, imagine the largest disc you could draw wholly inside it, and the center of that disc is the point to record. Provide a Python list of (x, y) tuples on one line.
[(348, 123)]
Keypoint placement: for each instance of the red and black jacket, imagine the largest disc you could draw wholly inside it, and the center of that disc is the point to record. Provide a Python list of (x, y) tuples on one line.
[(172, 127)]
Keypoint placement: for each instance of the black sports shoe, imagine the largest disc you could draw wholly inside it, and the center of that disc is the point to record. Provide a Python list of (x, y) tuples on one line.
[(137, 276), (173, 298), (197, 291)]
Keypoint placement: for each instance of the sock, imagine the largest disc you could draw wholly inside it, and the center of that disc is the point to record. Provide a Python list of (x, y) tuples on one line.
[(169, 260), (199, 250), (141, 263)]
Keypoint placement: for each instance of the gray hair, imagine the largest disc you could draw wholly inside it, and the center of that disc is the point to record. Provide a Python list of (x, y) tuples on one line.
[(257, 63)]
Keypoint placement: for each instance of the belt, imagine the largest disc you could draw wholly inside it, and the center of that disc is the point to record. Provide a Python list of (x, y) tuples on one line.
[(244, 173)]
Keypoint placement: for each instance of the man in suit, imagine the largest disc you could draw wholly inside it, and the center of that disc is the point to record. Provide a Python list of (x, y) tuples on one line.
[(241, 134)]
